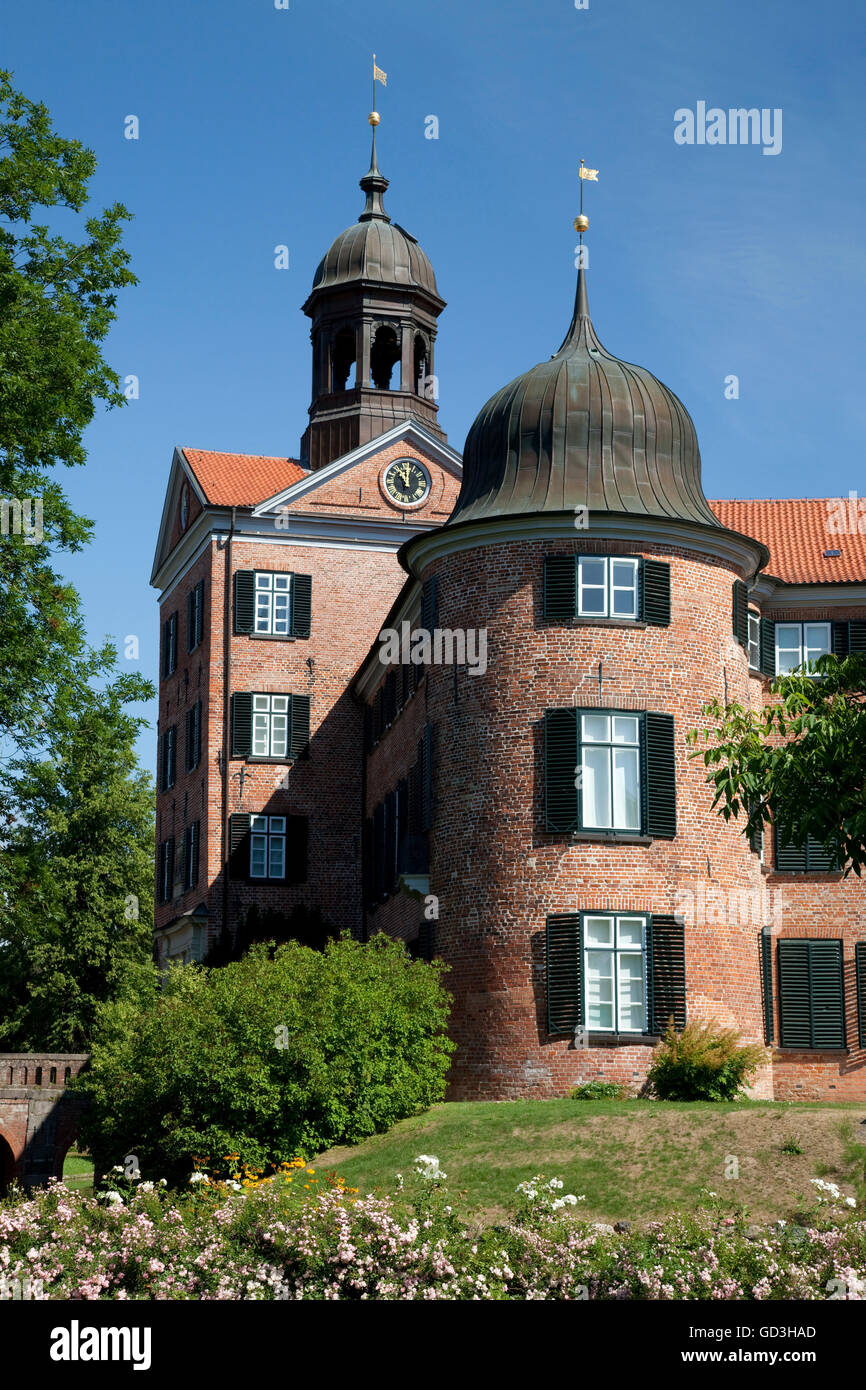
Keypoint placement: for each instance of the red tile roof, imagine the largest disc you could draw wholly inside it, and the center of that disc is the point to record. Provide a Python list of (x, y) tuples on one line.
[(797, 531), (241, 480)]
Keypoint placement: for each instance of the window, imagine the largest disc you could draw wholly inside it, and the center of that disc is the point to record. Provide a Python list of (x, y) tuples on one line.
[(797, 856), (193, 736), (811, 994), (169, 758), (194, 616), (165, 871), (169, 645), (611, 972), (272, 604), (190, 855), (754, 641), (614, 951), (270, 726), (610, 772), (607, 587), (267, 846), (799, 643)]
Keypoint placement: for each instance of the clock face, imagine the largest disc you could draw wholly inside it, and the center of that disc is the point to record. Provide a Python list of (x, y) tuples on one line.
[(406, 482)]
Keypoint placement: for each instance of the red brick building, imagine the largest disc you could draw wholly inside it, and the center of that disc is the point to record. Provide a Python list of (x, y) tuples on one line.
[(451, 702)]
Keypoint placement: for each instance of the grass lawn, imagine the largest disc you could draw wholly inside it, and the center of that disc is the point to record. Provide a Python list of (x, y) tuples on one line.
[(78, 1171), (633, 1160)]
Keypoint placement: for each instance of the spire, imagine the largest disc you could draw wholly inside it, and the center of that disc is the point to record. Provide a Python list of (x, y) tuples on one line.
[(581, 324), (374, 183)]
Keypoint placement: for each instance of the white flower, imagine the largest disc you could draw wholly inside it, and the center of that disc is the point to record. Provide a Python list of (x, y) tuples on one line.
[(555, 1183), (199, 1177), (113, 1197), (428, 1167), (235, 1186), (146, 1187), (163, 1182), (118, 1168), (850, 1202)]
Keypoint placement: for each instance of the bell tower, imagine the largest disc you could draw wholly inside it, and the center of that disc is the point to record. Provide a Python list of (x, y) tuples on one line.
[(374, 306)]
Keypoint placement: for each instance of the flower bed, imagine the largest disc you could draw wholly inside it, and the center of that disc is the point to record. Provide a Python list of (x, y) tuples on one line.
[(295, 1234)]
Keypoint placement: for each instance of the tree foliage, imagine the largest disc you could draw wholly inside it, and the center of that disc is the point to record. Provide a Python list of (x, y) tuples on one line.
[(57, 302), (800, 761), (271, 1056), (76, 872)]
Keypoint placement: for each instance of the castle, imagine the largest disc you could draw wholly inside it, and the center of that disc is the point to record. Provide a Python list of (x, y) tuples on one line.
[(533, 818)]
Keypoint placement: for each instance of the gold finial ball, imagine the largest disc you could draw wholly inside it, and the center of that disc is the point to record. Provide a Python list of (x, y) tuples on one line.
[(374, 118), (581, 223)]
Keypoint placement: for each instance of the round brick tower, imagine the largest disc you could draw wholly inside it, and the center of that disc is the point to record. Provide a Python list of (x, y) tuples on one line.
[(587, 892)]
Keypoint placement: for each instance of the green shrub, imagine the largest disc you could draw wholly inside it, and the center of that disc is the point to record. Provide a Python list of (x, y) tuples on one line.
[(598, 1090), (702, 1063), (284, 1052)]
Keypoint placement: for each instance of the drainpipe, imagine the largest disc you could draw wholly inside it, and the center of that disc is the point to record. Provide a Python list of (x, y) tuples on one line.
[(227, 670)]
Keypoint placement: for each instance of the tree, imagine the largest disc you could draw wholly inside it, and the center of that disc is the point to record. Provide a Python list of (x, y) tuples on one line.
[(76, 873), (57, 302), (800, 761), (268, 1057)]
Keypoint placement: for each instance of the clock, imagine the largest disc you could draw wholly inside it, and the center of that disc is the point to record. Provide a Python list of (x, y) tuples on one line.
[(405, 482)]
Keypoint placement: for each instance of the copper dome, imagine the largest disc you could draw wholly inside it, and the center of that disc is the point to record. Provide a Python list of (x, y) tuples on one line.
[(583, 429)]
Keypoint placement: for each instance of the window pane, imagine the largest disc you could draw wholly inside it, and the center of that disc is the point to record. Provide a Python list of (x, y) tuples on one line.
[(626, 796), (281, 581), (259, 823), (596, 728), (258, 852), (599, 989), (598, 931), (279, 703), (261, 702), (281, 613), (817, 641), (631, 991), (629, 931), (592, 587), (264, 581), (788, 655), (278, 825), (278, 857), (263, 612), (279, 735), (596, 788), (623, 581), (260, 735), (625, 730)]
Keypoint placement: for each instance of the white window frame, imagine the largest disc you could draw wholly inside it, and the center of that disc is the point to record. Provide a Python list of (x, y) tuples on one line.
[(806, 653), (610, 587), (616, 951), (269, 711), (270, 618), (613, 745), (754, 640), (268, 833)]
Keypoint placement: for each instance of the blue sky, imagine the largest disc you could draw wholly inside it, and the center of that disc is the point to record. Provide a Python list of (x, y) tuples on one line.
[(704, 260)]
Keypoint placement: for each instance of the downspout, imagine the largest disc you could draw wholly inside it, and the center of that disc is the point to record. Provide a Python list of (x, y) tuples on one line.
[(227, 670)]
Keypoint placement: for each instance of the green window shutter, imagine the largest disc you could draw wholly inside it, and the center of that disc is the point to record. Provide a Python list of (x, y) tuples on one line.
[(795, 1026), (841, 639), (390, 842), (379, 852), (389, 697), (415, 810), (819, 859), (427, 778), (561, 767), (756, 840), (180, 860), (403, 825), (190, 620), (239, 846), (768, 647), (857, 636), (828, 993), (667, 969), (193, 854), (245, 600), (164, 654), (767, 983), (741, 613), (242, 724), (406, 674), (564, 971), (659, 761), (430, 604), (811, 994), (188, 740), (299, 725), (197, 733), (297, 848), (789, 858), (655, 587), (376, 723), (560, 587), (860, 973), (301, 601)]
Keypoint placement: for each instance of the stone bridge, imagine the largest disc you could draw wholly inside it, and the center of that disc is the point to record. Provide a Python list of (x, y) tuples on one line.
[(39, 1118)]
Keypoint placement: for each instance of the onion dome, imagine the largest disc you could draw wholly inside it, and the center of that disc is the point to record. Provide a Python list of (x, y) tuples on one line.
[(375, 248), (583, 429)]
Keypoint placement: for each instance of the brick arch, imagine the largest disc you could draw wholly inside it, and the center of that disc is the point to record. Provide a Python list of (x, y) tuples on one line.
[(39, 1118), (7, 1165)]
